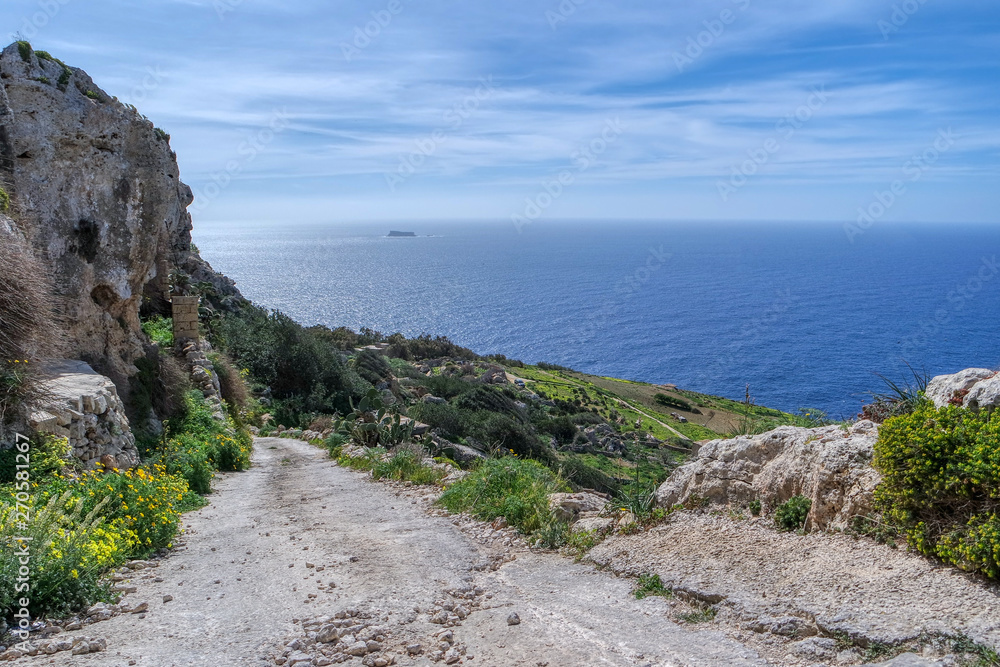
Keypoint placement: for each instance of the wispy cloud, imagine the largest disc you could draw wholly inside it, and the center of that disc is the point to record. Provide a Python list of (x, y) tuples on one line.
[(350, 121)]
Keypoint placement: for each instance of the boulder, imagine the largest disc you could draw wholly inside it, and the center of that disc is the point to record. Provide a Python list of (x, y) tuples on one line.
[(831, 466), (974, 388), (569, 506)]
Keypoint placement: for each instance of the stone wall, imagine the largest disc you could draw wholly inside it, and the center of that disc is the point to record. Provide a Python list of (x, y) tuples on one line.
[(185, 314), (85, 408)]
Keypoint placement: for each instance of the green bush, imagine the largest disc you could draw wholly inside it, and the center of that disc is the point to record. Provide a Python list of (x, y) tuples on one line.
[(452, 422), (791, 515), (405, 465), (160, 330), (671, 402), (445, 386), (506, 434), (4, 201), (941, 483), (513, 488), (305, 372), (24, 48)]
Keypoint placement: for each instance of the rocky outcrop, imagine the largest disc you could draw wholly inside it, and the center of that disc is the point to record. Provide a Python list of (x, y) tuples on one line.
[(973, 388), (95, 188), (204, 376), (84, 407), (831, 466), (571, 507)]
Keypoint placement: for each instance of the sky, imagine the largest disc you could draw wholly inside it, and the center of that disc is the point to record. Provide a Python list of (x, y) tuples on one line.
[(855, 111)]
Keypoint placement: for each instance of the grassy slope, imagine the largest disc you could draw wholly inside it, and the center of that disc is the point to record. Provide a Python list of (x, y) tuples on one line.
[(719, 416)]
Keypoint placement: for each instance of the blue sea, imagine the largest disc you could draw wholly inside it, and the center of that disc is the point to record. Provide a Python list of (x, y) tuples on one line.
[(802, 313)]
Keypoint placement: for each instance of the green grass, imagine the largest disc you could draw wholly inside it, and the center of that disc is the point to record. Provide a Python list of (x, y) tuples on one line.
[(702, 613), (160, 330), (649, 585), (513, 488)]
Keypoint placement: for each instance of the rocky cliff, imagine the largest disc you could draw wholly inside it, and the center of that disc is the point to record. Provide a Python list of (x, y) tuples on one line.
[(95, 188)]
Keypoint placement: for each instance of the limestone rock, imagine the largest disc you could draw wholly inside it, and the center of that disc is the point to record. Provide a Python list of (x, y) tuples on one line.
[(96, 188), (569, 506), (974, 388), (830, 466)]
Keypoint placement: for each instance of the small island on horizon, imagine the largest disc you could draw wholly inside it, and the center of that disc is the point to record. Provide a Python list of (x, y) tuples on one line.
[(395, 234)]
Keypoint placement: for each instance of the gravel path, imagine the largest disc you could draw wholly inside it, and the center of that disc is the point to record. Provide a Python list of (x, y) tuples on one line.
[(297, 543)]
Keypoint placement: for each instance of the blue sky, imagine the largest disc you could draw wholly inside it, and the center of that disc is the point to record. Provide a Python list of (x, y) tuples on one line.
[(725, 109)]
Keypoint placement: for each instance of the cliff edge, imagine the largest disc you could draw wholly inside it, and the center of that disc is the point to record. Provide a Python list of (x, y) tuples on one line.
[(95, 189)]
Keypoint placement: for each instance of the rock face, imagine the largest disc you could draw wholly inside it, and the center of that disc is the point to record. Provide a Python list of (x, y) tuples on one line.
[(830, 466), (95, 188), (84, 407), (974, 388)]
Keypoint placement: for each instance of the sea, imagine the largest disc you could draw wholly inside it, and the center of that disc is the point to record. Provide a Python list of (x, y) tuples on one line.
[(805, 315)]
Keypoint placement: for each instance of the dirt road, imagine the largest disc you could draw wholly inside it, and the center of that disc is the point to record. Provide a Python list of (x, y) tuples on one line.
[(298, 538)]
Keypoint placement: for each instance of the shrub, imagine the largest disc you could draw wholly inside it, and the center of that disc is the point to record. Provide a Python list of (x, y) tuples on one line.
[(503, 433), (160, 330), (452, 422), (671, 402), (24, 48), (164, 137), (445, 386), (28, 329), (94, 95), (303, 370), (372, 367), (754, 507), (941, 484), (515, 489), (232, 381), (70, 550), (792, 514), (4, 201)]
